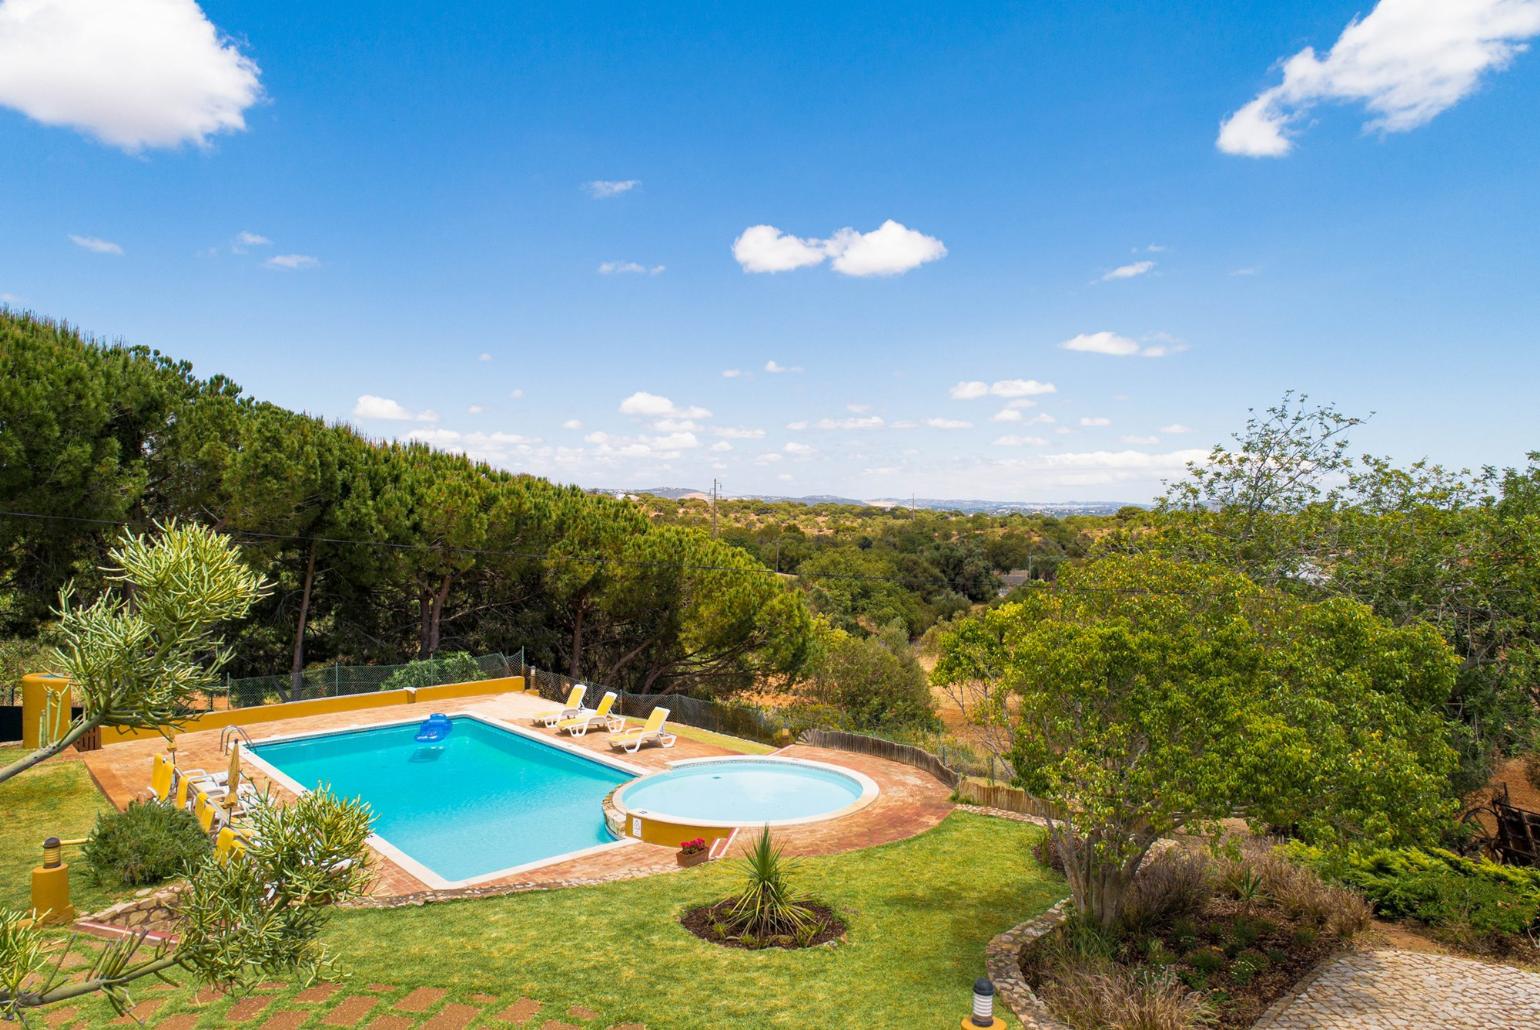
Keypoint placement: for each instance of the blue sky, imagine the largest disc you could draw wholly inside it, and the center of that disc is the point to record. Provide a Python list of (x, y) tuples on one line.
[(434, 258)]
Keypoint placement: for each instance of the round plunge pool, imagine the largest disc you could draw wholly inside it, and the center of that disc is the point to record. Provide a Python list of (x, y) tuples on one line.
[(715, 795)]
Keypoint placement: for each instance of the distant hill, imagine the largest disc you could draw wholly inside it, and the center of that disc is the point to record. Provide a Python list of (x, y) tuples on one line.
[(967, 506)]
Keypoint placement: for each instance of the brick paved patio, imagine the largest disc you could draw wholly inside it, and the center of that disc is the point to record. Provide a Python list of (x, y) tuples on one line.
[(909, 801), (1391, 989)]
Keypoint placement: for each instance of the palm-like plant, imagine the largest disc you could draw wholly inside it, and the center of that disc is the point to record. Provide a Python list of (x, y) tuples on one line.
[(767, 906)]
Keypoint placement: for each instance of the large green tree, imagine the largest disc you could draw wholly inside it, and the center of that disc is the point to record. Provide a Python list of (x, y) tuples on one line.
[(1144, 696)]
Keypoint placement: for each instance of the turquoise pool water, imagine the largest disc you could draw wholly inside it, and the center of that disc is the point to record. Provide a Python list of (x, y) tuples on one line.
[(743, 791), (484, 799)]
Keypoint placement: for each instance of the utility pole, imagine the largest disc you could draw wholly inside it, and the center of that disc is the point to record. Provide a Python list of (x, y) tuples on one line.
[(715, 486)]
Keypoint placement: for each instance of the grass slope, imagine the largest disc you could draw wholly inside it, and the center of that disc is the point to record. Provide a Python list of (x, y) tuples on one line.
[(55, 799), (921, 912)]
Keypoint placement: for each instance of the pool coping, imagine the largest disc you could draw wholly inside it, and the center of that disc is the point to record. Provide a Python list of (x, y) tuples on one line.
[(869, 792), (416, 868)]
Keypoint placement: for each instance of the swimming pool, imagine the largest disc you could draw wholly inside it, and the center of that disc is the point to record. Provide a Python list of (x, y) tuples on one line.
[(715, 793), (483, 802)]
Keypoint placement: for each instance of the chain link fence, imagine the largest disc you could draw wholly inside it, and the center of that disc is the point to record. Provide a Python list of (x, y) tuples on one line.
[(733, 719), (341, 680)]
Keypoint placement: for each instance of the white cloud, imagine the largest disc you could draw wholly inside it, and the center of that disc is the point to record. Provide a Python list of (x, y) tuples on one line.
[(9, 298), (650, 405), (474, 409), (483, 356), (665, 447), (859, 409), (517, 393), (1248, 270), (95, 244), (249, 239), (721, 445), (603, 189), (1129, 271), (1007, 415), (881, 470), (676, 425), (948, 423), (131, 73), (629, 268), (856, 422), (799, 448), (1019, 441), (775, 368), (732, 373), (785, 477), (799, 424), (738, 432), (1095, 421), (1176, 427), (1140, 441), (385, 409), (572, 423), (973, 389), (768, 458), (764, 248), (1407, 61), (1102, 343), (890, 249), (291, 262)]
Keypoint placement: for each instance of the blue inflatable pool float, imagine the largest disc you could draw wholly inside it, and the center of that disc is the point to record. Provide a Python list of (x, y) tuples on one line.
[(435, 729)]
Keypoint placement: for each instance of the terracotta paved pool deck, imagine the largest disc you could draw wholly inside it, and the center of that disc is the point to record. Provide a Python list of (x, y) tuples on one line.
[(910, 801)]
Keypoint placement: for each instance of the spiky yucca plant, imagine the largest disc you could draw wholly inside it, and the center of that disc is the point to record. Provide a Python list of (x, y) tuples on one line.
[(768, 906)]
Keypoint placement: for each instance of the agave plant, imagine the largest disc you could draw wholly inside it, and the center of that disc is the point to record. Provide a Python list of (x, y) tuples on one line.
[(767, 906)]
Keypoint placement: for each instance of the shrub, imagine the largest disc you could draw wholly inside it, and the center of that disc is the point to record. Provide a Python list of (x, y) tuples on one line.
[(1532, 768), (1170, 885), (1440, 888), (1297, 890), (450, 667), (1108, 995), (767, 906), (874, 682), (146, 843)]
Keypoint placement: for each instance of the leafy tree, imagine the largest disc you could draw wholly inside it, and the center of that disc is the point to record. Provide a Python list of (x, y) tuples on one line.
[(873, 682), (138, 653), (1144, 696)]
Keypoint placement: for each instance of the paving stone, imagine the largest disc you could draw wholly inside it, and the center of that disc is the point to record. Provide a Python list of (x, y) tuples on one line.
[(140, 1012), (208, 995), (483, 999), (287, 1020), (351, 1011), (390, 1023), (185, 1021), (452, 1017), (552, 1024), (582, 1012), (248, 1008), (421, 1000), (520, 1012), (320, 992), (60, 1016)]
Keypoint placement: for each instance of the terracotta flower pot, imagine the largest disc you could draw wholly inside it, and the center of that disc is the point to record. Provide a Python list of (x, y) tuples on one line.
[(687, 859)]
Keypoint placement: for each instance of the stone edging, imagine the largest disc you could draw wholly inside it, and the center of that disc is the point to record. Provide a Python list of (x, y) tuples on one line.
[(1002, 960), (129, 918)]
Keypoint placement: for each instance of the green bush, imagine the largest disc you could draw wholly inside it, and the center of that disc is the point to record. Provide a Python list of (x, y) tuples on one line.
[(1439, 887), (146, 843), (874, 682), (450, 667)]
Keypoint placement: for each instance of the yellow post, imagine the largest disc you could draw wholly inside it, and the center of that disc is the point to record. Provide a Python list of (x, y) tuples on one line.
[(51, 886), (35, 690)]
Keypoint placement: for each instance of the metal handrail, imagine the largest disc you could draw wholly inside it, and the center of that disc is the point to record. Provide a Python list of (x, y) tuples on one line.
[(233, 731)]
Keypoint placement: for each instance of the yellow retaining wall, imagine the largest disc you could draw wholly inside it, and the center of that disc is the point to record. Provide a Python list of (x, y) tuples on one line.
[(35, 688), (502, 685), (320, 706), (670, 834)]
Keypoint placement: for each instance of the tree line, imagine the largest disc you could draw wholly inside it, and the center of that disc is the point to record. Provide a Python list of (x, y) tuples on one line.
[(375, 551)]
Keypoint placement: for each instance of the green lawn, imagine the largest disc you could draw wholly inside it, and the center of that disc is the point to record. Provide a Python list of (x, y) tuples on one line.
[(55, 799), (920, 912)]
